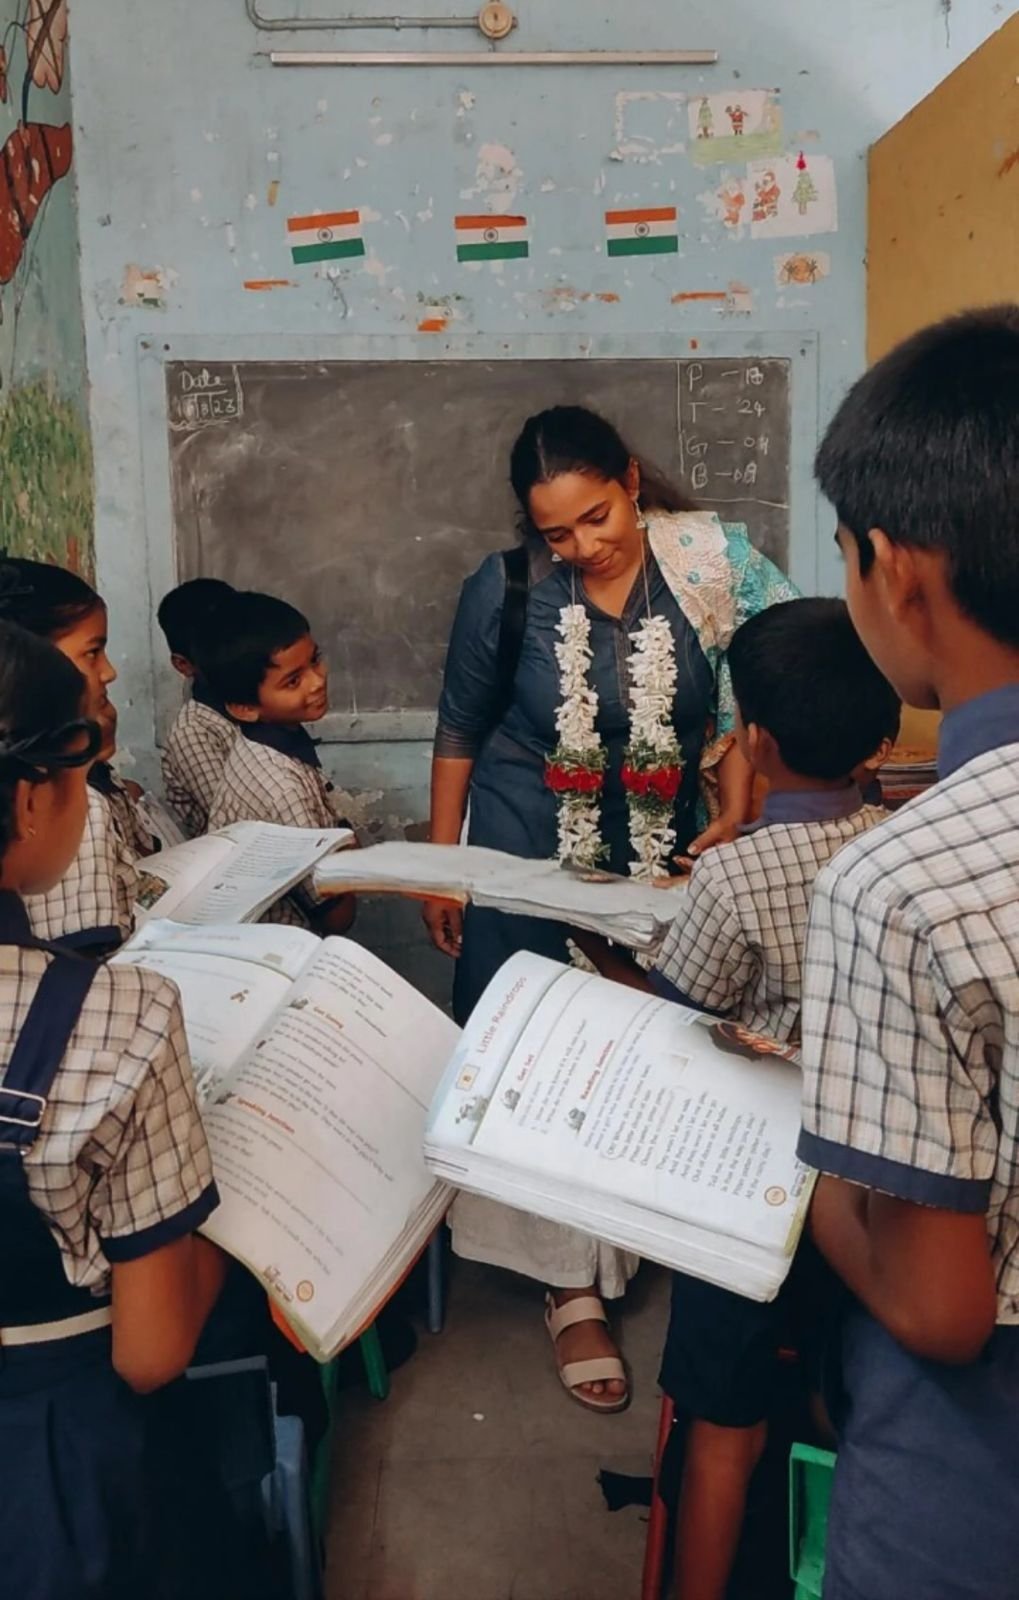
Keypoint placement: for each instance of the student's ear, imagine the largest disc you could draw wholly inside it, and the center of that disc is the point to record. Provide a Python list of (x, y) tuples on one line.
[(880, 756), (27, 798), (631, 483), (242, 713), (181, 664), (897, 570)]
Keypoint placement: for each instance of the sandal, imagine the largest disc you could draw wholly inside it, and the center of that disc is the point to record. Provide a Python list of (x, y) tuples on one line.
[(597, 1369)]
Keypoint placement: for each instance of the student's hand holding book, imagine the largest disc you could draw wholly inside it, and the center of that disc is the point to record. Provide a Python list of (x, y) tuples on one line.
[(445, 923)]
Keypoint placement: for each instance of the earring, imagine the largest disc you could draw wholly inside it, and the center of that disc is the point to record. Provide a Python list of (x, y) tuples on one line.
[(556, 556)]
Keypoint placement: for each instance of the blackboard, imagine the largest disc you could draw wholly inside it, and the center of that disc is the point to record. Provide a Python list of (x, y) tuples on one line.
[(364, 492)]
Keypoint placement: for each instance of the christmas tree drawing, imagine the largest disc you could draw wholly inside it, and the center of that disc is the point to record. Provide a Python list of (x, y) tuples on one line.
[(805, 191)]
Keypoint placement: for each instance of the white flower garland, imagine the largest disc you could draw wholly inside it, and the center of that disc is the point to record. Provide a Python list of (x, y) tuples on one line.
[(653, 744), (579, 750), (651, 764)]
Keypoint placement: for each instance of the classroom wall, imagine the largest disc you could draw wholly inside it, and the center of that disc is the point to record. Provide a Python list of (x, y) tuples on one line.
[(193, 153), (46, 476)]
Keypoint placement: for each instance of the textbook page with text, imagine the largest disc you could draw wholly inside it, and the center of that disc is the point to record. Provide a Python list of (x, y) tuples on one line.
[(657, 1129), (316, 1065), (233, 875)]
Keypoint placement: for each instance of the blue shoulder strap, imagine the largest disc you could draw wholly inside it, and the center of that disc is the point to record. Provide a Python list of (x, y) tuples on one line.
[(41, 1047)]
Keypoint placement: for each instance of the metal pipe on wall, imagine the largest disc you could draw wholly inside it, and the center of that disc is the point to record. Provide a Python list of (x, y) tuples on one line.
[(492, 58), (323, 24)]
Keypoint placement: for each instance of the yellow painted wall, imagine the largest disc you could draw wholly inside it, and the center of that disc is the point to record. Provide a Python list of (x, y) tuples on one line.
[(944, 199), (943, 216)]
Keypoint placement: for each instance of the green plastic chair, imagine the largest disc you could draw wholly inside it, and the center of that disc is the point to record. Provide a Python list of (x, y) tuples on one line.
[(378, 1387), (810, 1484)]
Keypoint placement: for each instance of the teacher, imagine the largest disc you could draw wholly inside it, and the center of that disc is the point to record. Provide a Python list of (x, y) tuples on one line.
[(586, 713)]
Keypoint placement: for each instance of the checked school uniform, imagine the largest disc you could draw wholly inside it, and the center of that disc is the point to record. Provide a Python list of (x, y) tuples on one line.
[(273, 774), (103, 1159), (737, 945), (736, 950), (92, 908), (127, 819), (194, 756), (911, 1088)]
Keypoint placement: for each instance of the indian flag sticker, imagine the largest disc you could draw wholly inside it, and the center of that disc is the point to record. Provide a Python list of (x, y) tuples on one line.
[(325, 236), (491, 239), (651, 231)]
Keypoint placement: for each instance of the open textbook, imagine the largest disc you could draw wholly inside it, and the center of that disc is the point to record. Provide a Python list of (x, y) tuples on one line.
[(633, 914), (233, 875), (630, 1118), (315, 1066)]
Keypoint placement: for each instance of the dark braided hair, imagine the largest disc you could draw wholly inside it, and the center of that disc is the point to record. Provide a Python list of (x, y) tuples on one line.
[(41, 722)]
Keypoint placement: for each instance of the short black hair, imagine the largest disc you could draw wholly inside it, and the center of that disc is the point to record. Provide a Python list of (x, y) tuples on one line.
[(800, 670), (926, 447), (187, 613), (251, 629)]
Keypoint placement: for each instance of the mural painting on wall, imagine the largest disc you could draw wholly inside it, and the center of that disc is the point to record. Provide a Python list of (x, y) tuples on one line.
[(46, 482)]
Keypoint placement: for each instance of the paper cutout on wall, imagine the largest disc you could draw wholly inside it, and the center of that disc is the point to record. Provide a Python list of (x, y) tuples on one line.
[(736, 126), (792, 197), (325, 236), (643, 231), (802, 267), (487, 238)]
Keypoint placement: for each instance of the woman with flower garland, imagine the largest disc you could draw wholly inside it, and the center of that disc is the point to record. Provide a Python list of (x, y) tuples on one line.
[(611, 745)]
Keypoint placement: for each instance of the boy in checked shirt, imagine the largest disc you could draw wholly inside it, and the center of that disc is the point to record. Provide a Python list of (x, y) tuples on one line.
[(202, 733), (911, 987), (811, 708), (269, 674)]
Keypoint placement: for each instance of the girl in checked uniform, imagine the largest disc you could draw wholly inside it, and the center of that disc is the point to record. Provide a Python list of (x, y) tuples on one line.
[(105, 1175)]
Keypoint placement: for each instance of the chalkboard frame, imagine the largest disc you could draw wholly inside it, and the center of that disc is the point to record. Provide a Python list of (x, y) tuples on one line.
[(800, 349)]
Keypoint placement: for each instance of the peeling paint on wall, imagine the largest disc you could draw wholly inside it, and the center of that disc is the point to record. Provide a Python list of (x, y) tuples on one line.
[(497, 178), (648, 125), (145, 287)]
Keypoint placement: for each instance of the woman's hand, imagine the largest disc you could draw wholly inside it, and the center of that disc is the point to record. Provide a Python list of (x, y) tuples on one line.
[(722, 831), (445, 924)]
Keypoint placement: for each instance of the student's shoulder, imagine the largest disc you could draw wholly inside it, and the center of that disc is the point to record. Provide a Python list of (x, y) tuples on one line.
[(125, 1002), (940, 856)]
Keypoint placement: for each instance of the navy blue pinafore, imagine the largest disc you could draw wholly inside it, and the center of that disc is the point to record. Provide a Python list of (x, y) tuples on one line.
[(74, 1459)]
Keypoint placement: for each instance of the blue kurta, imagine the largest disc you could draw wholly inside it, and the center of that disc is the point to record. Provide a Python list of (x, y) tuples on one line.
[(510, 806)]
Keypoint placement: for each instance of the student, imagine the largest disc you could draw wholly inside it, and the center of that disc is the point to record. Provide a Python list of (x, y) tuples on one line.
[(104, 1176), (867, 776), (202, 734), (92, 907), (911, 987), (267, 671), (810, 707)]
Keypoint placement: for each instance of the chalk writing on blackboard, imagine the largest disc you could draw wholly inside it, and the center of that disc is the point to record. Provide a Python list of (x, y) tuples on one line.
[(734, 441), (200, 397)]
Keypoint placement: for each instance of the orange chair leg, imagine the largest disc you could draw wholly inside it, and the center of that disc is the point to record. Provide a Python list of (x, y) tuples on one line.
[(658, 1521)]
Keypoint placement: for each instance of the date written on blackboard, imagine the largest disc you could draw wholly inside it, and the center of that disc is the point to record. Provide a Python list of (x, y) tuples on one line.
[(200, 397), (734, 429)]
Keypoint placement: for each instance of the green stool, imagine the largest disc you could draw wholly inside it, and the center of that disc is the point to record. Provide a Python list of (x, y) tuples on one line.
[(810, 1482), (378, 1388)]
